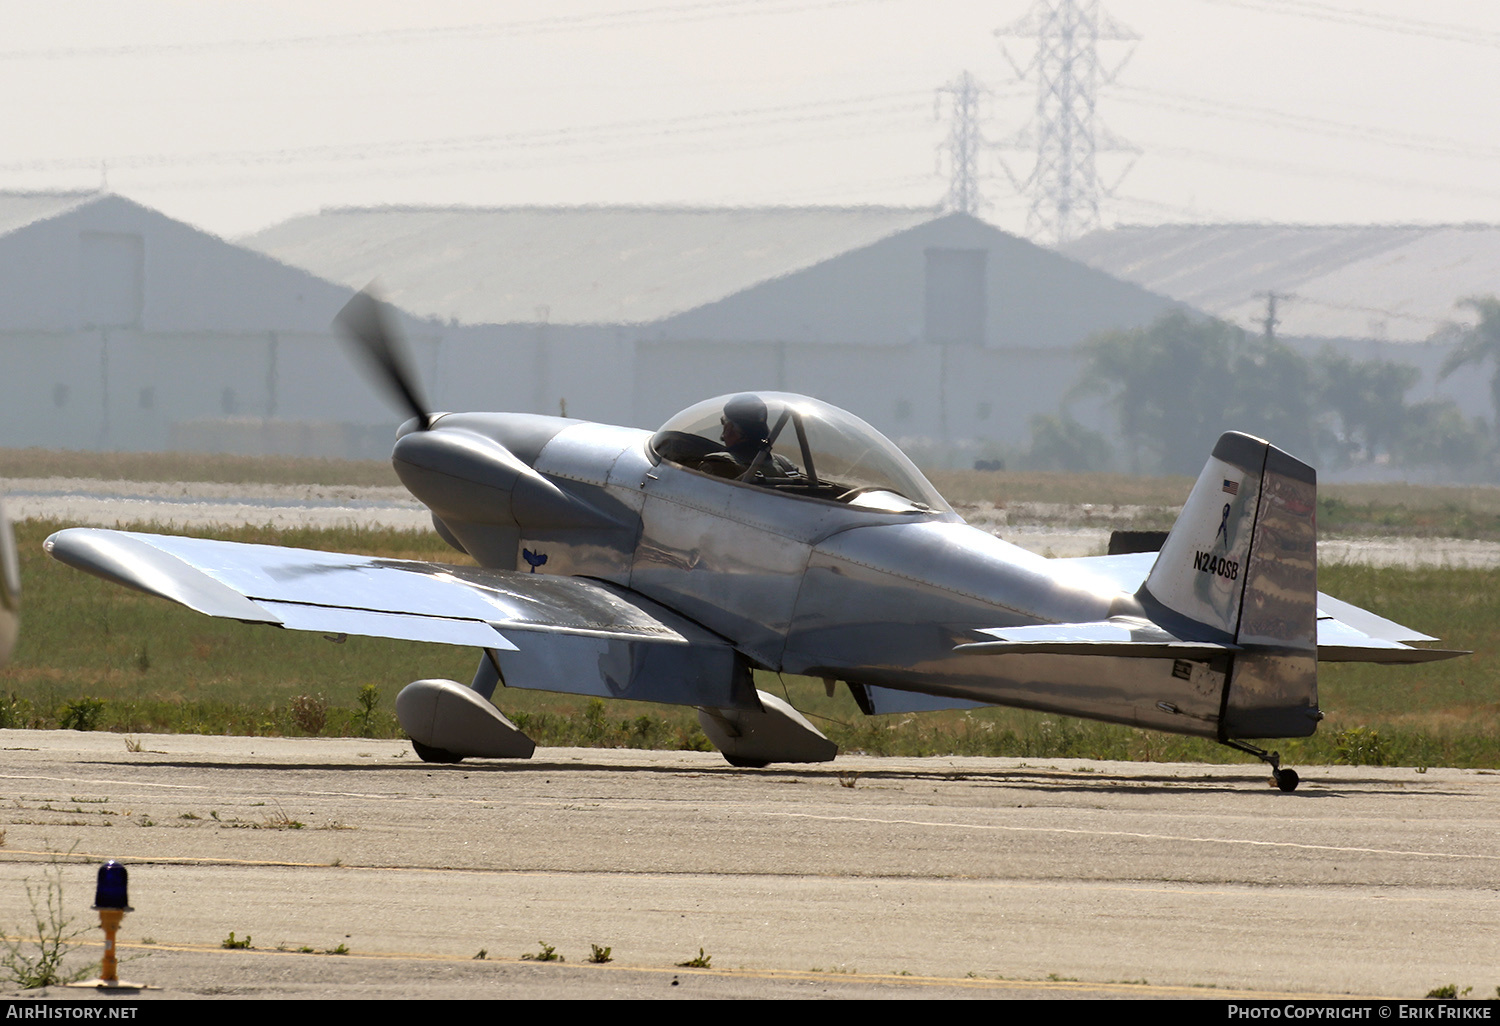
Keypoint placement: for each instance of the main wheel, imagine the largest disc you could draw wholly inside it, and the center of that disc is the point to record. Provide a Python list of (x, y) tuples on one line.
[(429, 754), (1287, 779)]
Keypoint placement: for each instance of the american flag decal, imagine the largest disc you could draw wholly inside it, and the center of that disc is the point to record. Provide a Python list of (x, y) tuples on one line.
[(1232, 487)]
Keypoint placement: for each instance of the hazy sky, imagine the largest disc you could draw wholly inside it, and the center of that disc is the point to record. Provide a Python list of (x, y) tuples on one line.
[(235, 115)]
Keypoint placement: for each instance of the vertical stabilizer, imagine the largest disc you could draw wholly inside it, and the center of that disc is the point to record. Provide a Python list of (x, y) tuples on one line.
[(1240, 566)]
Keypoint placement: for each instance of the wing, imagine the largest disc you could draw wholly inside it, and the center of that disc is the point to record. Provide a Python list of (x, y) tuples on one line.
[(548, 633), (1346, 633)]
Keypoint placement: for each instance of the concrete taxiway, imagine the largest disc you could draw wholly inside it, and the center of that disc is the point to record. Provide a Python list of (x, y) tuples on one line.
[(863, 877)]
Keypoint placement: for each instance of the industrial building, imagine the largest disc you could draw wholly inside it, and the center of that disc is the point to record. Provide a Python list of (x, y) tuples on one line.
[(941, 330), (125, 329)]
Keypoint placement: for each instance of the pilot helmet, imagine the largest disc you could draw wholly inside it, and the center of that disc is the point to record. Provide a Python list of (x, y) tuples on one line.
[(747, 411)]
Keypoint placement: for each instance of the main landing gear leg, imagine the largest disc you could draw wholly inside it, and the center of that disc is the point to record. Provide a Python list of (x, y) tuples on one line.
[(1285, 779)]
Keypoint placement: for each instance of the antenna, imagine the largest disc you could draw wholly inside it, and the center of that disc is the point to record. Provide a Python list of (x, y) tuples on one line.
[(1065, 133)]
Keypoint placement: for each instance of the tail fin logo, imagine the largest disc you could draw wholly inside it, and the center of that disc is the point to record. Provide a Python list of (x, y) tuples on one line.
[(1223, 531)]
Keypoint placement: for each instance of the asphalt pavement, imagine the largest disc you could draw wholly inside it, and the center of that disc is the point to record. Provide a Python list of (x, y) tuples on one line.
[(354, 870)]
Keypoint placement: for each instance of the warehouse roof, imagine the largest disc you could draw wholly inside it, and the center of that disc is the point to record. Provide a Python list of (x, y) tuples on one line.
[(19, 209), (570, 265), (1390, 282)]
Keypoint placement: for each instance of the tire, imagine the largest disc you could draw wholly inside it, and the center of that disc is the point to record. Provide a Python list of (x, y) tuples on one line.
[(439, 755)]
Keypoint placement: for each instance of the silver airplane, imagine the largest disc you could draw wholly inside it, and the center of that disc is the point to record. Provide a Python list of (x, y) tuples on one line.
[(772, 531)]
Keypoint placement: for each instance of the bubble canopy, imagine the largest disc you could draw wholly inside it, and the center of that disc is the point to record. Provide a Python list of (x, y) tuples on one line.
[(801, 446)]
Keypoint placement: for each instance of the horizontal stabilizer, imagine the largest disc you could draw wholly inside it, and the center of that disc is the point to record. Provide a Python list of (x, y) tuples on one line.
[(1119, 636), (1366, 622), (1345, 632), (1337, 643), (1340, 643)]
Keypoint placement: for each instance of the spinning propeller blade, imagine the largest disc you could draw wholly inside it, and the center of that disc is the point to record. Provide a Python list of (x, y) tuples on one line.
[(365, 321)]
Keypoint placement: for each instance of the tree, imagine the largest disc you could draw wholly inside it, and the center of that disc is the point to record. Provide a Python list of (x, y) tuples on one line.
[(1179, 383), (1158, 380), (1439, 439), (1479, 343), (1368, 399), (1061, 443)]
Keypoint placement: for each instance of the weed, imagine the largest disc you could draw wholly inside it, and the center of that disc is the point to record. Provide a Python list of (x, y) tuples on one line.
[(231, 943), (701, 962), (595, 725), (279, 820), (39, 963), (600, 955), (306, 950), (848, 780), (342, 949), (309, 713), (547, 954), (132, 744), (1359, 746), (369, 698), (188, 815), (16, 711), (1451, 992), (80, 715), (484, 953)]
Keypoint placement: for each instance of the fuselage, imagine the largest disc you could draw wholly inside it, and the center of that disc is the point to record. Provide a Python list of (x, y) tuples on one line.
[(876, 596)]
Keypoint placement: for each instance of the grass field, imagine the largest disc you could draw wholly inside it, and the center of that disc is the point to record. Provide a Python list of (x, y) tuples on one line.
[(94, 655)]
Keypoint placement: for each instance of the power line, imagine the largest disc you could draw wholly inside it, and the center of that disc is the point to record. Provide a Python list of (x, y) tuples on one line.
[(665, 15), (852, 109), (1218, 109), (1368, 19), (1323, 174)]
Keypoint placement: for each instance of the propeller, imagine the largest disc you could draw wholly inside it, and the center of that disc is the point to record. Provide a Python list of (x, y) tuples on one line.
[(381, 352)]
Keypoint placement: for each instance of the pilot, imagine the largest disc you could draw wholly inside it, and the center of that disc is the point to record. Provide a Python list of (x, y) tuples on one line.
[(746, 433)]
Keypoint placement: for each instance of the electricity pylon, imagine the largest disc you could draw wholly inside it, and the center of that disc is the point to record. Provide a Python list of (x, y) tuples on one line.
[(1065, 133)]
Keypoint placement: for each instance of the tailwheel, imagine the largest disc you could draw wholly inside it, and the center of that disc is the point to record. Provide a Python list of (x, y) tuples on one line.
[(427, 753), (1284, 779)]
